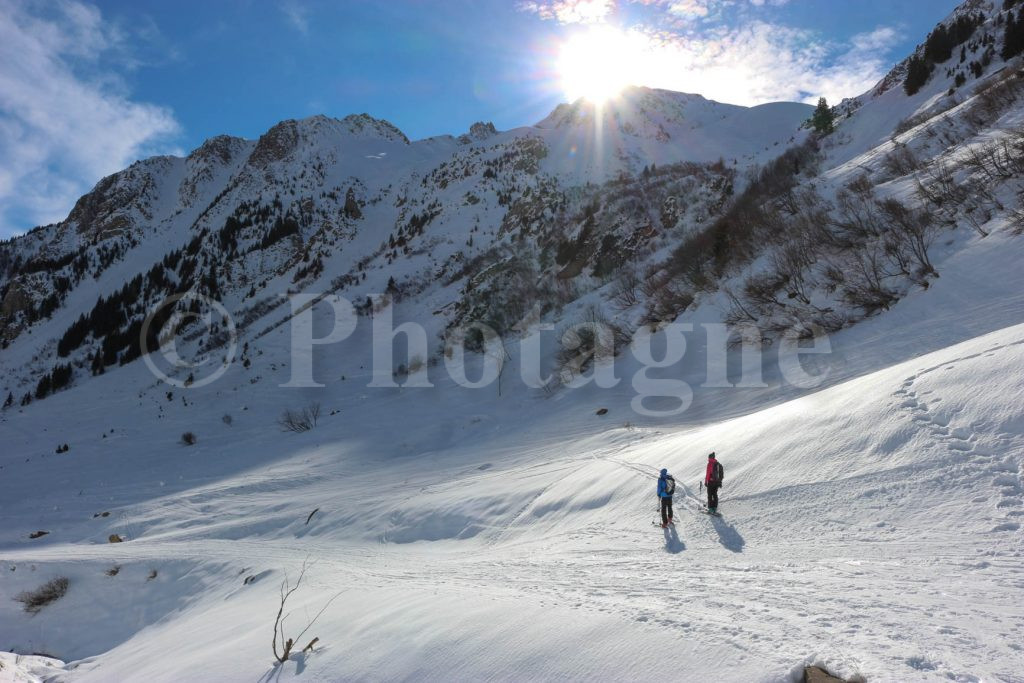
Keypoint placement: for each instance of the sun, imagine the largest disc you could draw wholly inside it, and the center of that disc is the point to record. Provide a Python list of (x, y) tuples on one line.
[(597, 64)]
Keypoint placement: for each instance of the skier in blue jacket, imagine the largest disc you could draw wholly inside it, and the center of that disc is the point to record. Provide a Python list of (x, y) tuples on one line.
[(666, 489)]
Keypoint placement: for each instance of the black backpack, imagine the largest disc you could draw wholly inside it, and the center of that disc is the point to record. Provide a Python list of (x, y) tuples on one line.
[(670, 485), (718, 474)]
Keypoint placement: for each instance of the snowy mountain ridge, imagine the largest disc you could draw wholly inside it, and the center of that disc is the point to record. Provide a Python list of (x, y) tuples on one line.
[(356, 185)]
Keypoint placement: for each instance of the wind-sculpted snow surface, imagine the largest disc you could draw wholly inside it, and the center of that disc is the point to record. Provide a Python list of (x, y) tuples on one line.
[(872, 526)]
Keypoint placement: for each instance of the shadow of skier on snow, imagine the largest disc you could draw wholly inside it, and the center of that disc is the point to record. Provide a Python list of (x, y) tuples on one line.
[(727, 535), (277, 670), (673, 544)]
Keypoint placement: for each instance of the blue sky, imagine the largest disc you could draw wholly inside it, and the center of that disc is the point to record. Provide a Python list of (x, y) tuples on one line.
[(85, 88)]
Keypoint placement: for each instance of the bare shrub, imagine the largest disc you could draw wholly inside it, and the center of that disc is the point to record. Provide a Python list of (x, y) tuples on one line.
[(739, 233), (910, 236), (912, 121), (996, 97), (654, 279), (792, 264), (51, 591), (288, 644), (788, 202), (300, 420), (625, 292), (760, 291), (667, 302), (402, 371), (987, 160), (998, 159), (862, 281), (738, 312), (504, 292), (226, 419), (977, 222), (189, 439), (380, 303), (592, 339), (1016, 222), (1013, 150), (854, 221), (861, 185), (937, 186), (901, 160), (781, 296)]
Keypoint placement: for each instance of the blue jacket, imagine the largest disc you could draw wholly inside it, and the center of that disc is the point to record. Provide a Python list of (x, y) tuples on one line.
[(661, 485)]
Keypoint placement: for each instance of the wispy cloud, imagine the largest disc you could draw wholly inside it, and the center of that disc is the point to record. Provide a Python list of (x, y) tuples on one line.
[(717, 49), (66, 120), (763, 62), (690, 8), (297, 15), (592, 11), (570, 11)]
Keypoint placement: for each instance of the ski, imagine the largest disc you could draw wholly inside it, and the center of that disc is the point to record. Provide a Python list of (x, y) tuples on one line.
[(709, 512)]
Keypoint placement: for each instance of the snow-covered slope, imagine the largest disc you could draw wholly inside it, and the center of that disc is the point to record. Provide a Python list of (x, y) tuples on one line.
[(351, 205), (872, 526), (872, 516)]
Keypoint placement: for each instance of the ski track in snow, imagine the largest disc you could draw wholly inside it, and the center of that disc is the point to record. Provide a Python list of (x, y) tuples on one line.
[(872, 562)]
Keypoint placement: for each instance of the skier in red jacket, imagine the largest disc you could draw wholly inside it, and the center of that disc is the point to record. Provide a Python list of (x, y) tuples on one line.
[(713, 481)]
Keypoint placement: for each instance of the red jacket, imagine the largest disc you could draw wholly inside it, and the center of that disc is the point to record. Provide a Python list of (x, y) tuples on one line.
[(710, 471)]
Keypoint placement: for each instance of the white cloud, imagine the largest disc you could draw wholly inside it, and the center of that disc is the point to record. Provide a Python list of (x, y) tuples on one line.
[(693, 46), (763, 62), (65, 120), (570, 11), (689, 8), (881, 38), (297, 16)]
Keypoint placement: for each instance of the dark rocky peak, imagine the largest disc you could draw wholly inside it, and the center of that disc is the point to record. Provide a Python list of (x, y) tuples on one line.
[(633, 103), (276, 144), (219, 149), (284, 139), (367, 126), (105, 210), (478, 131)]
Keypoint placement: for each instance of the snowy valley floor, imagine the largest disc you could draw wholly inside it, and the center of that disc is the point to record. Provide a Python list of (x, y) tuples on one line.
[(889, 547), (873, 527)]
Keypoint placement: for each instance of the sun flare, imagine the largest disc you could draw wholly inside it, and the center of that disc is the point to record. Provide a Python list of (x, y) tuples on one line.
[(597, 64)]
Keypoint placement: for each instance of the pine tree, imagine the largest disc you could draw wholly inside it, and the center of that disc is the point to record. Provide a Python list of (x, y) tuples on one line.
[(43, 388), (918, 72), (823, 118), (10, 400), (351, 205), (1013, 38), (97, 366)]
